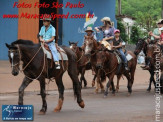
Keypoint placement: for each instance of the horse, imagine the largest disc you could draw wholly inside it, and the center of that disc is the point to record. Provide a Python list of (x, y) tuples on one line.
[(37, 66), (83, 62), (106, 61), (142, 45), (155, 57)]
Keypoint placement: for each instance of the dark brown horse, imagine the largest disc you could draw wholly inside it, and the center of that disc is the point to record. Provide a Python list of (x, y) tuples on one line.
[(37, 66), (83, 62), (142, 45), (155, 59), (106, 61)]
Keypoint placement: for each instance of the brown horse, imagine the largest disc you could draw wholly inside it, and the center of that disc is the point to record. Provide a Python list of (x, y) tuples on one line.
[(37, 66), (83, 62), (106, 61), (142, 45), (155, 59)]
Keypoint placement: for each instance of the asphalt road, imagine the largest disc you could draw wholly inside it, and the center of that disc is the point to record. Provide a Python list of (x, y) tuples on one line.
[(139, 107)]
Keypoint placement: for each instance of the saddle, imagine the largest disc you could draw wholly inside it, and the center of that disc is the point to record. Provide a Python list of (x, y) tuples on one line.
[(106, 44), (61, 53), (119, 57)]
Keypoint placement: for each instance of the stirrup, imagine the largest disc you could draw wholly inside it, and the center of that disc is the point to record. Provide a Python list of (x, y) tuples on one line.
[(57, 66)]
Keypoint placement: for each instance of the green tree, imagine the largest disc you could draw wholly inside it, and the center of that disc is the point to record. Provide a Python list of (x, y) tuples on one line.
[(121, 27)]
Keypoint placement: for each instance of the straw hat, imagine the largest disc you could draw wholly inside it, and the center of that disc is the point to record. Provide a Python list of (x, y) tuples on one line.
[(46, 17), (160, 21), (89, 29), (106, 19)]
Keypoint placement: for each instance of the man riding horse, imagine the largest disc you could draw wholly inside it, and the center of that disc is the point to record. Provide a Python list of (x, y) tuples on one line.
[(47, 36)]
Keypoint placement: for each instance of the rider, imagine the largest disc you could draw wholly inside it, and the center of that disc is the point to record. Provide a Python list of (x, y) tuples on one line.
[(161, 39), (89, 32), (117, 44), (155, 35), (47, 35), (108, 32)]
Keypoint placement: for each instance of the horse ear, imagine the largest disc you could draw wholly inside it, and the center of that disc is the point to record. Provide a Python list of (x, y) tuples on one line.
[(7, 45), (77, 42), (69, 42)]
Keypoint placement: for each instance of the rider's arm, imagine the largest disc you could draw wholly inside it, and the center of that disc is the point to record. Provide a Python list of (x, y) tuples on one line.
[(41, 35), (119, 46), (98, 29), (50, 40), (109, 38), (41, 39)]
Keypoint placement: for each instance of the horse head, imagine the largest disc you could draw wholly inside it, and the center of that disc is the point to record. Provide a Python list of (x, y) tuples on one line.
[(90, 45), (14, 58), (139, 46), (101, 57), (73, 46)]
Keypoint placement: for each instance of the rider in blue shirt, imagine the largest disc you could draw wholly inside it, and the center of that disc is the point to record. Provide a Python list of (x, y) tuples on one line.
[(47, 35)]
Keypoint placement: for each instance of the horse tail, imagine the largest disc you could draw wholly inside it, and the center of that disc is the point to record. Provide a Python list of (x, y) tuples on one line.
[(73, 72)]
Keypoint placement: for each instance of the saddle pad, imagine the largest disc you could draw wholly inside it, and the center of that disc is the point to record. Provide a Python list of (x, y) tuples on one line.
[(129, 57), (49, 55), (118, 58)]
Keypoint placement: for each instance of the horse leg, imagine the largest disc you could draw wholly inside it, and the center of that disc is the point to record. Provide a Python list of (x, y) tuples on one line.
[(97, 84), (129, 82), (76, 85), (24, 84), (113, 87), (150, 82), (43, 96), (118, 79), (82, 75), (60, 85), (110, 77), (98, 81), (93, 81)]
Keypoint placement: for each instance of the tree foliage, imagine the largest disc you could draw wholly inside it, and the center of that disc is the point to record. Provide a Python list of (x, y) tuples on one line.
[(146, 12)]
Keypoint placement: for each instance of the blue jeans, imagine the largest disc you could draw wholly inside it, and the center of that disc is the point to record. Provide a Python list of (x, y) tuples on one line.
[(53, 49), (123, 55)]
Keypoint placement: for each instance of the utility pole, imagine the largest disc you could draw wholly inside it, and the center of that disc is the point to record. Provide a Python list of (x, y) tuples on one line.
[(119, 7)]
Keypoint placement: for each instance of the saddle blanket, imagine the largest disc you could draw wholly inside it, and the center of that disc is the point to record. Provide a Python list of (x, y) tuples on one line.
[(128, 57), (49, 55)]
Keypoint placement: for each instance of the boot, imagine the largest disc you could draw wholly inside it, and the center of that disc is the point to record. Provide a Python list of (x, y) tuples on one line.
[(126, 66)]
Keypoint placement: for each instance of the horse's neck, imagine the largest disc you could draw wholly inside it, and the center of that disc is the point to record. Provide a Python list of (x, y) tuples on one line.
[(27, 52), (79, 52)]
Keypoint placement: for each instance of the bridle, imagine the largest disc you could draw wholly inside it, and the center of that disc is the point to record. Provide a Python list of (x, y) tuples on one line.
[(20, 58)]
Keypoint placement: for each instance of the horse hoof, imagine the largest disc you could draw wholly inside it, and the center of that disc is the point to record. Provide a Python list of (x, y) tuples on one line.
[(102, 91), (41, 113), (129, 94), (93, 84), (96, 91), (57, 109), (81, 104), (148, 90), (113, 94), (105, 96)]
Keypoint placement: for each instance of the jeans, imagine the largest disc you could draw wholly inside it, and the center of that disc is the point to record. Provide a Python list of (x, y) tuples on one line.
[(123, 55), (53, 49)]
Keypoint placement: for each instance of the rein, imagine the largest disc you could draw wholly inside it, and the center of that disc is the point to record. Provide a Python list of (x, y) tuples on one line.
[(30, 62)]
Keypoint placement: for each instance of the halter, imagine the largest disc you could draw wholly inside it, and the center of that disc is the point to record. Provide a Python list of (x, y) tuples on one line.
[(20, 58)]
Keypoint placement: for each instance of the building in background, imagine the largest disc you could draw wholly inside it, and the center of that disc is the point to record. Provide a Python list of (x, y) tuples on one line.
[(71, 29)]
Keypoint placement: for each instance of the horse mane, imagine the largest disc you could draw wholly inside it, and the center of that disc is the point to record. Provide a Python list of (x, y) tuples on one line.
[(80, 49), (21, 41)]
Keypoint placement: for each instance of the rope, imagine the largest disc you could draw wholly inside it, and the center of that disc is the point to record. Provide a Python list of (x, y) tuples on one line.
[(30, 62)]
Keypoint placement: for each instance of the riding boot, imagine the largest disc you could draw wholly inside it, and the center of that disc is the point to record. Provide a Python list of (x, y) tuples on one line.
[(126, 66)]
